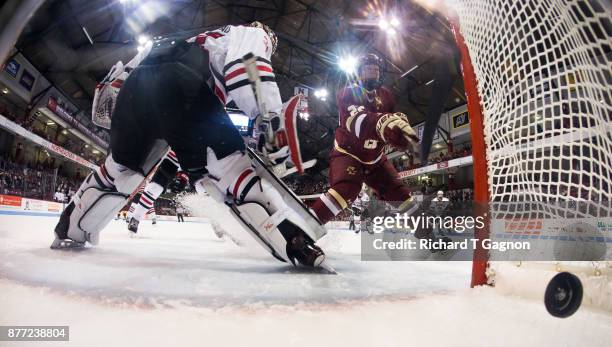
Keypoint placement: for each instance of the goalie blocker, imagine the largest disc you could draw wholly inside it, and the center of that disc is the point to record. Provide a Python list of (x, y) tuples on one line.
[(165, 98)]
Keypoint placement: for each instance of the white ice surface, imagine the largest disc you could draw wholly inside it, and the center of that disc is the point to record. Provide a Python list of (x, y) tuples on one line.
[(179, 285)]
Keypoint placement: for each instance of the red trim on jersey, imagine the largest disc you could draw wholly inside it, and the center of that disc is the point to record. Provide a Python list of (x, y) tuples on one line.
[(242, 70), (201, 38), (219, 94), (241, 178), (117, 83), (147, 201)]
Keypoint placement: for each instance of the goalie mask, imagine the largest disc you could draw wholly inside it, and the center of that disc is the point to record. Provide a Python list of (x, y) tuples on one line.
[(271, 34), (370, 71)]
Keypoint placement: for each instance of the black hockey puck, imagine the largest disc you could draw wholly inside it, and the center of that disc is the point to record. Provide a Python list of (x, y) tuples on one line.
[(563, 295)]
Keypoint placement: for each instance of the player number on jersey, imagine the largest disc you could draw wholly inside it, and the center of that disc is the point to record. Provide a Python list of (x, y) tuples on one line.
[(354, 110), (370, 144)]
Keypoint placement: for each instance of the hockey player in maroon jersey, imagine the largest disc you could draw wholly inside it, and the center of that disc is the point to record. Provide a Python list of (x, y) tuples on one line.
[(367, 124)]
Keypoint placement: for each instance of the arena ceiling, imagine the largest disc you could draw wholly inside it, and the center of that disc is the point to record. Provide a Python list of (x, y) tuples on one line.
[(75, 42)]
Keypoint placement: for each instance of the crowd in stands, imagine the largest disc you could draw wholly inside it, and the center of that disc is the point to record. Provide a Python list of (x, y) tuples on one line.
[(36, 181), (460, 195), (27, 120), (403, 165), (307, 186)]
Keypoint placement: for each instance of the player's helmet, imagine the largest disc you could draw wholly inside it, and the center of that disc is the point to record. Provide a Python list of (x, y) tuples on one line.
[(268, 31), (370, 82)]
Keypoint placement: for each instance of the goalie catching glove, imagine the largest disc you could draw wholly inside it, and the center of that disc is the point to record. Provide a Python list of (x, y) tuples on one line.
[(272, 139), (277, 138), (395, 130)]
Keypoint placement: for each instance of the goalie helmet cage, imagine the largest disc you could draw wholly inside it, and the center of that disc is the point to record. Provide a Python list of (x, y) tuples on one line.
[(537, 76)]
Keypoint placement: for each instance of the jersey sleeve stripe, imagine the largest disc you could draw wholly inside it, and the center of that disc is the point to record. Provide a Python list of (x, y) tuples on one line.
[(242, 70), (245, 82), (239, 61)]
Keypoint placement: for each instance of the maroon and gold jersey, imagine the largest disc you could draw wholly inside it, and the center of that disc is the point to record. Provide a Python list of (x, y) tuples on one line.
[(356, 134)]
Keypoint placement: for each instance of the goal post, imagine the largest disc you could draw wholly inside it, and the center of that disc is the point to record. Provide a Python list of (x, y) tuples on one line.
[(481, 186), (537, 76)]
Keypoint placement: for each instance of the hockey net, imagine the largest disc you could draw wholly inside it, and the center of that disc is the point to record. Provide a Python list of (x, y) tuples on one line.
[(537, 74)]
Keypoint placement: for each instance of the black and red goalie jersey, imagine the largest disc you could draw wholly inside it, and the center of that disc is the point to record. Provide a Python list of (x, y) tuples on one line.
[(359, 110)]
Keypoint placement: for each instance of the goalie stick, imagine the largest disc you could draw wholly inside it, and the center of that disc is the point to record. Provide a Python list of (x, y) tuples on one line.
[(265, 170)]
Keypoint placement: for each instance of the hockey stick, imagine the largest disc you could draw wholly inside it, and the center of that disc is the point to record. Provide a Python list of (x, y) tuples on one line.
[(444, 77)]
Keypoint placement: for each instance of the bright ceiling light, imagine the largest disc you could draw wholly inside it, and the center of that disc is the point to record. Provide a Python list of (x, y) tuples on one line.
[(321, 93), (348, 64), (383, 24), (143, 39), (391, 32), (394, 22)]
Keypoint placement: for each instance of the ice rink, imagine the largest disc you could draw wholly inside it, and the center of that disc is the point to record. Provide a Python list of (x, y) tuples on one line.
[(177, 284)]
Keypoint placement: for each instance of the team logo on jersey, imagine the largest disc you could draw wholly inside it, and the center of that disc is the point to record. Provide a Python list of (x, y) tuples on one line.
[(378, 101), (370, 144), (351, 170)]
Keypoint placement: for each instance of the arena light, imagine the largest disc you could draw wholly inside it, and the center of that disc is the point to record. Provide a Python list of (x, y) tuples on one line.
[(348, 64), (143, 39), (304, 115), (383, 24), (321, 93), (389, 25)]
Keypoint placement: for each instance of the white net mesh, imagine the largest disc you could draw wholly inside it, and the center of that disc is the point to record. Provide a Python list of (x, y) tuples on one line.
[(543, 70)]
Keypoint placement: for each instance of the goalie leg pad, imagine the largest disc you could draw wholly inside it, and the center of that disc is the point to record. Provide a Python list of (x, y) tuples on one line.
[(261, 225), (260, 207), (278, 234), (97, 201), (95, 209)]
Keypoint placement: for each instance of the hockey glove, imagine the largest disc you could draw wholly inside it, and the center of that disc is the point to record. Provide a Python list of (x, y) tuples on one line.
[(395, 130), (179, 183), (272, 139)]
